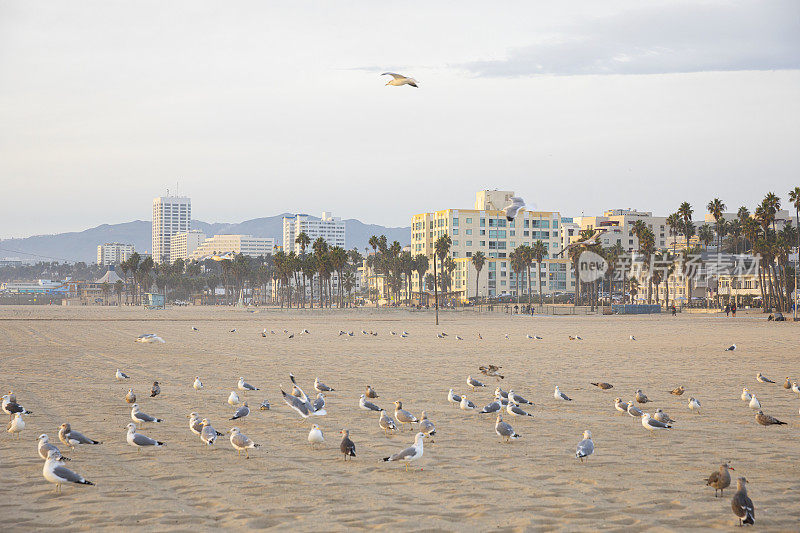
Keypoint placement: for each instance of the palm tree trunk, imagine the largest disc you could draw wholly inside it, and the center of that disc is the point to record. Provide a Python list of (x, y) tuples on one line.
[(435, 290), (539, 281)]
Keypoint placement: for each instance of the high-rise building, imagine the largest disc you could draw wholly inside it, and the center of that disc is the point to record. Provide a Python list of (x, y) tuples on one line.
[(485, 229), (238, 244), (330, 228), (182, 244), (112, 253), (171, 215)]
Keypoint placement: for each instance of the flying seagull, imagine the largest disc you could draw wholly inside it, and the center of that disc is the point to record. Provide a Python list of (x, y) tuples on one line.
[(510, 211), (398, 80)]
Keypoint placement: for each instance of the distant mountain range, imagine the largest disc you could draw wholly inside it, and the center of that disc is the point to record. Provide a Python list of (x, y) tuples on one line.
[(82, 245)]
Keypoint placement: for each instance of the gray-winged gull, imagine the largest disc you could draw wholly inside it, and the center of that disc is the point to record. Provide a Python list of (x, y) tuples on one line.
[(241, 412), (504, 429), (585, 447), (55, 472), (241, 442), (367, 405), (652, 424), (72, 438), (45, 446), (140, 418), (347, 447), (139, 441), (412, 453), (741, 504), (403, 416)]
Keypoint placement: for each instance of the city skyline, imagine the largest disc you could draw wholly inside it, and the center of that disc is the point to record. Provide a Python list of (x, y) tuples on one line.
[(579, 108)]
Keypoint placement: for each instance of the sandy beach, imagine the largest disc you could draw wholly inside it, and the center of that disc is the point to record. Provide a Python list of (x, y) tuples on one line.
[(61, 364)]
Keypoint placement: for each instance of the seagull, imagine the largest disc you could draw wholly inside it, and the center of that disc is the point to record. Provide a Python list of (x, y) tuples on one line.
[(398, 80), (45, 446), (634, 411), (426, 426), (787, 384), (315, 435), (661, 416), (139, 417), (471, 382), (510, 211), (149, 338), (694, 405), (746, 396), (515, 410), (409, 454), (516, 398), (71, 438), (232, 331), (241, 412), (754, 403), (652, 424), (641, 397), (321, 387), (16, 425), (603, 385), (121, 376), (403, 416), (493, 407), (763, 379), (767, 420), (585, 447), (632, 338), (558, 395), (453, 397), (466, 405), (197, 383), (138, 441), (730, 348), (241, 442), (367, 405), (195, 423), (458, 338), (11, 407), (742, 505), (233, 398), (620, 406), (371, 392), (245, 386), (155, 390), (795, 388), (720, 479), (386, 423), (504, 429), (54, 471), (195, 329), (208, 434), (264, 406), (130, 397), (501, 392), (679, 391), (319, 403), (347, 447), (295, 403)]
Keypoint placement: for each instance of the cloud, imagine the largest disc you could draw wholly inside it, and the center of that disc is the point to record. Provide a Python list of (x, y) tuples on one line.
[(672, 38)]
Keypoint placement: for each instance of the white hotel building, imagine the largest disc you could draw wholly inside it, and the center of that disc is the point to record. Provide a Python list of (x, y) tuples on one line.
[(183, 244), (237, 244), (171, 215), (328, 227), (112, 253)]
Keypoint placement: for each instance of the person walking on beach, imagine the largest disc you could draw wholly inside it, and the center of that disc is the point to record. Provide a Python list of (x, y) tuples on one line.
[(733, 309), (727, 310), (674, 310)]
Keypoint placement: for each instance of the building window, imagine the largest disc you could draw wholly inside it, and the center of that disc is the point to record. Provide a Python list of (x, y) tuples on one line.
[(455, 231), (469, 243), (469, 232), (469, 221), (483, 222), (483, 243), (455, 222)]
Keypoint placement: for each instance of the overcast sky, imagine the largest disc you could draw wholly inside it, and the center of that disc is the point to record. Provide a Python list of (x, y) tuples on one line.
[(258, 108)]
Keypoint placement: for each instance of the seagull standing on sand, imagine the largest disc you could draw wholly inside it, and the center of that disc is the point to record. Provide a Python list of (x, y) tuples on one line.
[(398, 80), (195, 423), (321, 387), (504, 429), (386, 423), (121, 376), (245, 386), (319, 403), (558, 395), (471, 382), (641, 397), (197, 385), (241, 412), (11, 407), (763, 379), (493, 407), (754, 403), (620, 406), (516, 398), (366, 405), (371, 392), (16, 425), (241, 442), (511, 210), (746, 396), (679, 391), (787, 384), (634, 411), (44, 447), (453, 397), (585, 447), (409, 454), (315, 435), (139, 441), (72, 438), (403, 416), (720, 480), (347, 446), (155, 390), (140, 418), (426, 426), (54, 471), (767, 420), (466, 405), (730, 348), (694, 405), (208, 434), (233, 398), (603, 385), (130, 397), (514, 410), (742, 505), (661, 416), (652, 424)]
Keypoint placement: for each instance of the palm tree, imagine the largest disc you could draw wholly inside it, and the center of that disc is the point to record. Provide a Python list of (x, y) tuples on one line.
[(706, 235), (441, 250), (794, 198), (421, 267), (303, 240), (517, 263), (373, 242), (118, 288), (527, 257), (716, 207), (478, 260), (674, 224), (539, 252), (685, 211)]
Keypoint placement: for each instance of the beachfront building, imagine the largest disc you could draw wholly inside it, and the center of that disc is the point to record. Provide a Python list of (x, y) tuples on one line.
[(237, 244), (330, 228), (171, 215), (619, 225), (485, 228), (113, 253), (183, 244)]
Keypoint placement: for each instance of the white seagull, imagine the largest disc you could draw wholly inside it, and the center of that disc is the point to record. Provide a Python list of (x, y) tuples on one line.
[(315, 435), (139, 417), (754, 403), (367, 405), (409, 454), (121, 376), (197, 383), (398, 80), (510, 211), (54, 471), (233, 398), (585, 447), (651, 424), (694, 405), (245, 386), (558, 395), (241, 442), (138, 441)]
